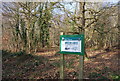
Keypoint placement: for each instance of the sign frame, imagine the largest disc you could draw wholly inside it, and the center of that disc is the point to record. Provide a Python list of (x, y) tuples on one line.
[(81, 36)]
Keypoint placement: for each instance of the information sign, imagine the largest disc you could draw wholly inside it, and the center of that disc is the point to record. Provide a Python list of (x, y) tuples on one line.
[(72, 44)]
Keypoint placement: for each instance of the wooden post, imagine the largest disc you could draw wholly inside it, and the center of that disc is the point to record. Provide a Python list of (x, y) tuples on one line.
[(61, 64), (81, 62)]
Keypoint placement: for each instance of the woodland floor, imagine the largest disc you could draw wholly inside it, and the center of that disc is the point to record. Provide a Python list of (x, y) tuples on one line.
[(45, 64)]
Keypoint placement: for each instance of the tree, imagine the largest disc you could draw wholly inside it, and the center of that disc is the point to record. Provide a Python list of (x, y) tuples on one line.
[(31, 27)]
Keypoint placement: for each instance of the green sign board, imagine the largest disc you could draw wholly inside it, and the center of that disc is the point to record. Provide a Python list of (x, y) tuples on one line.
[(72, 44)]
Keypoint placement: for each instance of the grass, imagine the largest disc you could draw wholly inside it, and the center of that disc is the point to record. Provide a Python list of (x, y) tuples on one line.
[(95, 75), (115, 76)]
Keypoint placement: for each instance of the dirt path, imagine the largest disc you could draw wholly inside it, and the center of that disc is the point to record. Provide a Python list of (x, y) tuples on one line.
[(46, 65)]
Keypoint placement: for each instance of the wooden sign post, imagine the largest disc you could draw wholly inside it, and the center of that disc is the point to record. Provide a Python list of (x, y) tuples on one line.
[(61, 64), (72, 44), (81, 60)]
